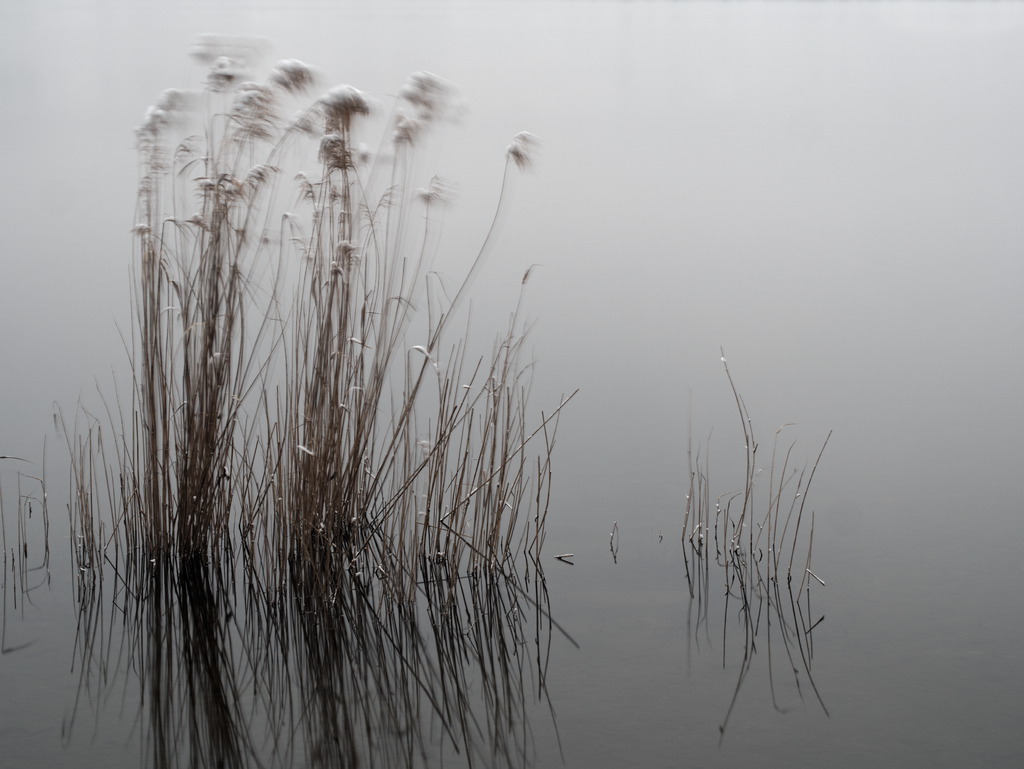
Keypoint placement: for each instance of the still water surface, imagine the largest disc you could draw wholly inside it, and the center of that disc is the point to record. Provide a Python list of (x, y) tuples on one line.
[(831, 192)]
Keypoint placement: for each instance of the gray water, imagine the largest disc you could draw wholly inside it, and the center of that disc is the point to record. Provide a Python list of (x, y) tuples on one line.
[(831, 192)]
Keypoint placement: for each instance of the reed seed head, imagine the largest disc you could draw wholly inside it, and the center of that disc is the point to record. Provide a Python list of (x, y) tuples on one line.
[(334, 151), (521, 150), (225, 74), (340, 105), (169, 109), (407, 128), (292, 76), (303, 123), (428, 98), (175, 100), (438, 191), (153, 122), (253, 110), (429, 95), (260, 174), (345, 252)]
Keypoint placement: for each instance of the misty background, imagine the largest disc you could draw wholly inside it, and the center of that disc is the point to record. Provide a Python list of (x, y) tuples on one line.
[(831, 192)]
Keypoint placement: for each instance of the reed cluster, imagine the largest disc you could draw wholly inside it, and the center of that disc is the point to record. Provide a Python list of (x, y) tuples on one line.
[(756, 538), (753, 529), (299, 393)]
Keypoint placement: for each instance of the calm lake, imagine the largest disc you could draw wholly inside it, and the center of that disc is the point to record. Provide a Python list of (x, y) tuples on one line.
[(830, 193)]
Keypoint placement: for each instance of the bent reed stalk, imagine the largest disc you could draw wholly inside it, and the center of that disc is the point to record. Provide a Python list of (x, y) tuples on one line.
[(277, 403)]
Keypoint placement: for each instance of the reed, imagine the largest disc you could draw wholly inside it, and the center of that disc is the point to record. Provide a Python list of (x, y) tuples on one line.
[(756, 538), (300, 387), (729, 527)]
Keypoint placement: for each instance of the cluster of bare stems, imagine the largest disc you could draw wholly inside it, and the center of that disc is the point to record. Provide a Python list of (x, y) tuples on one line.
[(297, 394), (744, 532), (758, 537)]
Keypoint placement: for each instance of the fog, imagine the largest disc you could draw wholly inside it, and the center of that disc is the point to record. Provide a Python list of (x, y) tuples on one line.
[(831, 193)]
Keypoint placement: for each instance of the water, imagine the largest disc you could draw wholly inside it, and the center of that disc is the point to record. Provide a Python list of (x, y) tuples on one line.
[(829, 192)]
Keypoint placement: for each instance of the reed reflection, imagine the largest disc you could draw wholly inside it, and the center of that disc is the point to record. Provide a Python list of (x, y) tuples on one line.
[(321, 671), (26, 557)]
